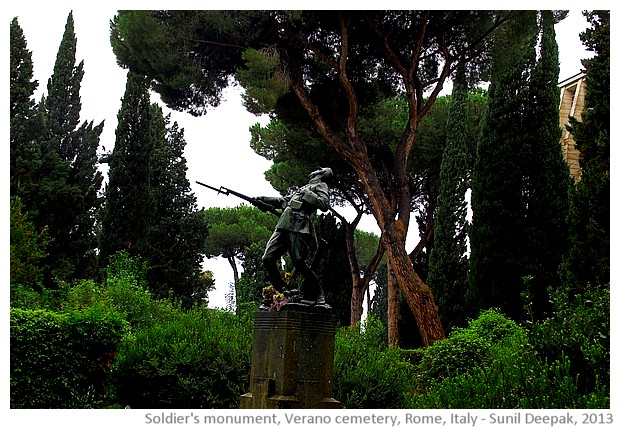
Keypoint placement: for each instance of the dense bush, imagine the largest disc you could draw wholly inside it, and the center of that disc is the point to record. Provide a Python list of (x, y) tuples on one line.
[(493, 364), (491, 325), (368, 374), (455, 355), (169, 357), (580, 329), (28, 248), (515, 378), (124, 290), (465, 349), (61, 360), (191, 359)]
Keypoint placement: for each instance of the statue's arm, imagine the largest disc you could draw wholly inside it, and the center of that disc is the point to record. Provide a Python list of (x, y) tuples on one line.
[(277, 202), (318, 197)]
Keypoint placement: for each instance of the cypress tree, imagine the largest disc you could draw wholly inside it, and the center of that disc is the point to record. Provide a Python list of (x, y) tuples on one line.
[(63, 194), (62, 104), (129, 201), (546, 176), (447, 275), (333, 267), (24, 150), (497, 241), (149, 209), (589, 216), (176, 237)]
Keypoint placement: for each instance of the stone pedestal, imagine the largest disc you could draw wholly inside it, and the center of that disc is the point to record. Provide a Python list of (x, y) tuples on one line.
[(292, 359)]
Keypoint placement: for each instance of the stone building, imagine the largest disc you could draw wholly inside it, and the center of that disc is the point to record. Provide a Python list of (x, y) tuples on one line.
[(571, 104)]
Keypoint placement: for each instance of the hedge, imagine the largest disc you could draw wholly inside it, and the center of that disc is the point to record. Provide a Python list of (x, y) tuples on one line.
[(60, 360)]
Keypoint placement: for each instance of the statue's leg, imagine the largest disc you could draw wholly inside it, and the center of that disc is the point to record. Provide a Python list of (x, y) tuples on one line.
[(310, 289), (275, 248)]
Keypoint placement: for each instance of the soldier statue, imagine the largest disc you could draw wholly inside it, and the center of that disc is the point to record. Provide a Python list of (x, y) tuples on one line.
[(294, 232)]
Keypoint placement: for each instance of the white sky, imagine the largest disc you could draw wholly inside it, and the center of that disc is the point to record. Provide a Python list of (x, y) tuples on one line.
[(217, 150)]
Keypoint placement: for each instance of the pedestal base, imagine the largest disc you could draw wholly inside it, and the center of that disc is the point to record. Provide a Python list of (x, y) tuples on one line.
[(292, 359)]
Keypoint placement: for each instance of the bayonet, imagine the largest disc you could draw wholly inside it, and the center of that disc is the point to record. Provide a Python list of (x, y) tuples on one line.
[(255, 202)]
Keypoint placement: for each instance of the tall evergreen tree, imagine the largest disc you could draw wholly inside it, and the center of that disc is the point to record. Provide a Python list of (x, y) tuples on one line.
[(63, 192), (520, 186), (589, 215), (129, 200), (546, 176), (447, 275), (497, 241), (24, 150), (149, 209), (176, 237)]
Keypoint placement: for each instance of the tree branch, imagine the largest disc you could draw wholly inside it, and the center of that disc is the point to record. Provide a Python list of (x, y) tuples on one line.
[(344, 80)]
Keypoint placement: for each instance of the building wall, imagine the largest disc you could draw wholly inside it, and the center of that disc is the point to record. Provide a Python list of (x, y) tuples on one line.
[(571, 104)]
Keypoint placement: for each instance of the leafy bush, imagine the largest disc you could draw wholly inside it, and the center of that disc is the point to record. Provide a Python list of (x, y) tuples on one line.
[(28, 248), (580, 330), (368, 374), (465, 349), (493, 326), (455, 355), (192, 359), (61, 360), (123, 291), (515, 378)]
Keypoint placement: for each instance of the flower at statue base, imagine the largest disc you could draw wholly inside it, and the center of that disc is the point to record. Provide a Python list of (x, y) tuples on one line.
[(268, 293), (274, 299), (279, 300)]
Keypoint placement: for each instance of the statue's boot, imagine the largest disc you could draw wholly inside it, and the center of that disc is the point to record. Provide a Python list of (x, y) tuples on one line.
[(312, 294)]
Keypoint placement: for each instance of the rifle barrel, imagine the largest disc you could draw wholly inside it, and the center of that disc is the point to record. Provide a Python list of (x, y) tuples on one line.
[(257, 203)]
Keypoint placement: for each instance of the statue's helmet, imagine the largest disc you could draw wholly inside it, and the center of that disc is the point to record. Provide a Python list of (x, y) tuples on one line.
[(323, 173)]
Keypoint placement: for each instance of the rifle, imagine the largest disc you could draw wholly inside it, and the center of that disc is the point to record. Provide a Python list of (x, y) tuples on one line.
[(255, 202)]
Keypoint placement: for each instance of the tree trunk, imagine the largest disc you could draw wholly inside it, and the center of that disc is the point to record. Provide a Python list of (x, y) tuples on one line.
[(418, 296), (385, 209), (233, 265), (357, 301), (392, 309), (360, 282)]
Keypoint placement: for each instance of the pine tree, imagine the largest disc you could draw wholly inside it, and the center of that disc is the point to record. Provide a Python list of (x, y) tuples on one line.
[(448, 260), (546, 176), (589, 215)]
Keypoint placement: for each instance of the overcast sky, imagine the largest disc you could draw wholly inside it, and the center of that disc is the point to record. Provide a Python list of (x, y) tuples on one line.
[(217, 150)]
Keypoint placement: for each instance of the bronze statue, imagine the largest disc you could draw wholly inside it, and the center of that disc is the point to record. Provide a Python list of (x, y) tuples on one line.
[(293, 233)]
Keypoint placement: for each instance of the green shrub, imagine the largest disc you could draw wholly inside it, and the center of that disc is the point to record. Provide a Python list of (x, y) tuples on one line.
[(368, 374), (192, 359), (465, 349), (493, 326), (516, 378), (459, 353), (28, 247), (61, 360), (580, 329), (123, 291)]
